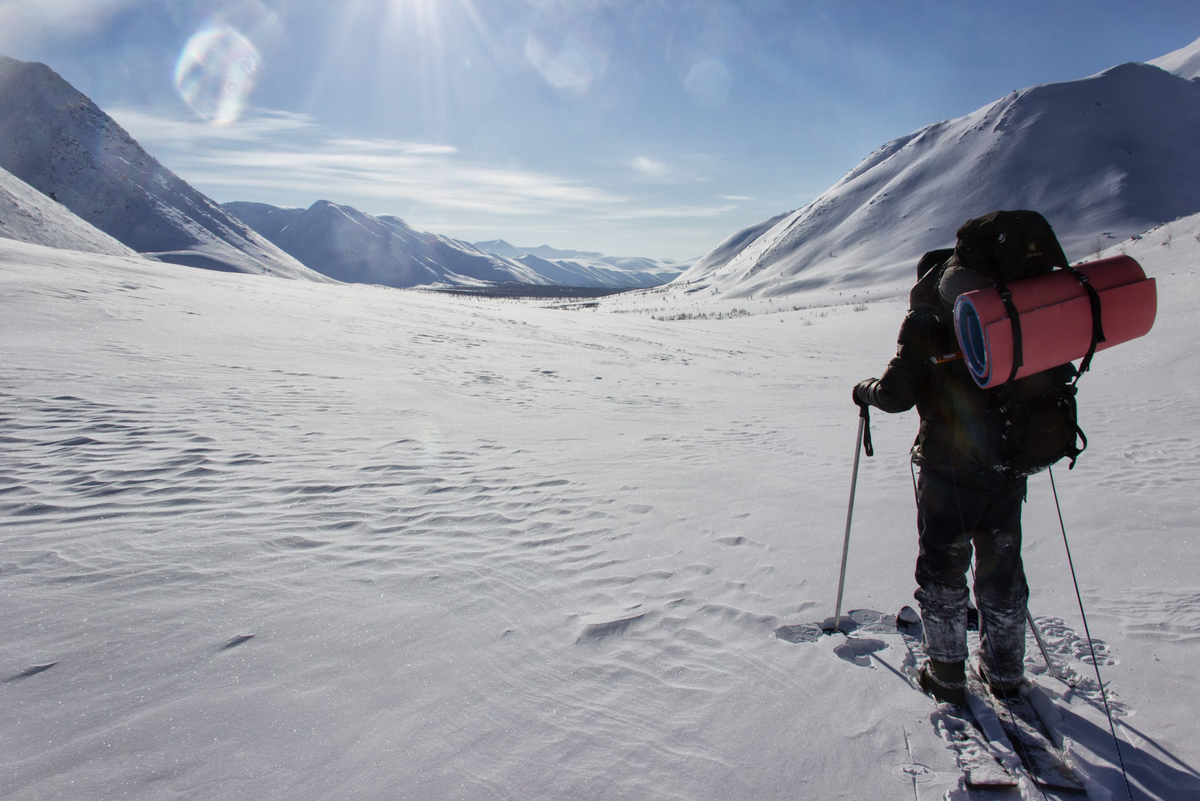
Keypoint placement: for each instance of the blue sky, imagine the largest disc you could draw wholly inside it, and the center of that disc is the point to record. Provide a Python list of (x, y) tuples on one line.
[(631, 127)]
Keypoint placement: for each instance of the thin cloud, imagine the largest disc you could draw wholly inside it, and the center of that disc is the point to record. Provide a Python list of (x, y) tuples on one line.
[(670, 212), (650, 167), (273, 151)]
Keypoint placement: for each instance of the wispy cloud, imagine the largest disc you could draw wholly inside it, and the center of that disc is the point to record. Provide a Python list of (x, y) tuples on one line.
[(650, 167), (273, 151), (681, 169), (668, 212)]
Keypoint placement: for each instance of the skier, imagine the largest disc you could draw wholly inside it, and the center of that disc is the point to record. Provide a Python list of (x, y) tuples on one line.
[(963, 503)]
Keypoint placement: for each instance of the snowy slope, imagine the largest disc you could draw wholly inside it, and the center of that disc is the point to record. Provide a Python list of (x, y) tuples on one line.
[(60, 143), (1103, 157), (587, 269), (27, 215), (279, 539), (1184, 62), (350, 245)]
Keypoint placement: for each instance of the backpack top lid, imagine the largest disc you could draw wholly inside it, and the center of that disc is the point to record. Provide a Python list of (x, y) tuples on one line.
[(1007, 245), (925, 291)]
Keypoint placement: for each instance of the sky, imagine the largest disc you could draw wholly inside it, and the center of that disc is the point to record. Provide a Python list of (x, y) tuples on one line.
[(629, 127)]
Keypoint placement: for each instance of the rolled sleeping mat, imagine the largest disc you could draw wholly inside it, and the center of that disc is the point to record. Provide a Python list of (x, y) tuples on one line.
[(1055, 318)]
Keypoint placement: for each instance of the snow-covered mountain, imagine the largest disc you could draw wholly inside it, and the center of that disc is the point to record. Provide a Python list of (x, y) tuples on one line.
[(353, 246), (1102, 158), (27, 215), (1184, 62), (59, 142), (584, 268)]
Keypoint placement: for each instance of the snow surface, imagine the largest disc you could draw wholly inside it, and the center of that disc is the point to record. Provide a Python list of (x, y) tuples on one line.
[(27, 215), (1184, 62), (56, 140), (1081, 152), (267, 539)]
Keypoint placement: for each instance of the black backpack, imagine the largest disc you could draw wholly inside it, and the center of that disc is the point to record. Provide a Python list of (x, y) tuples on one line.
[(1031, 422)]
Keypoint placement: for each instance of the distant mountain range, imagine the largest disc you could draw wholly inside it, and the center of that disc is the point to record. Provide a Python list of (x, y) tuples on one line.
[(70, 176), (582, 268), (1102, 158), (350, 245)]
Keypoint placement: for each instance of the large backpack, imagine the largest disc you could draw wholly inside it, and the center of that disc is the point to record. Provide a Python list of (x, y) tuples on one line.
[(1032, 422)]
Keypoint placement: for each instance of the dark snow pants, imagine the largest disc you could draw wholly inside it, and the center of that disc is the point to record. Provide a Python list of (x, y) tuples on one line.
[(954, 513)]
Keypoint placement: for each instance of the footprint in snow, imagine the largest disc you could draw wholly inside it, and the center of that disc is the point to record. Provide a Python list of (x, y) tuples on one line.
[(858, 651)]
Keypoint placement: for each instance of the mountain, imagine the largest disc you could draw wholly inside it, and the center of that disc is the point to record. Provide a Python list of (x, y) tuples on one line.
[(585, 268), (27, 215), (1184, 62), (1102, 158), (59, 142), (353, 246)]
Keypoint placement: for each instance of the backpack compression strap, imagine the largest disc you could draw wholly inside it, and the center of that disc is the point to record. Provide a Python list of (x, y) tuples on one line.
[(1097, 328), (1014, 318)]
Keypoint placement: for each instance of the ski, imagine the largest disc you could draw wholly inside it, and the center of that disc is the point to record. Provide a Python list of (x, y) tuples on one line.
[(980, 746), (1031, 738)]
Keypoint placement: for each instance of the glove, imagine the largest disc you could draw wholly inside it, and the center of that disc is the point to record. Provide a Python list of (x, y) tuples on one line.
[(862, 390)]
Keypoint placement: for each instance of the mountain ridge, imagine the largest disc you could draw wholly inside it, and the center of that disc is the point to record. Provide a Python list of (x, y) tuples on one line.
[(59, 142), (1078, 151)]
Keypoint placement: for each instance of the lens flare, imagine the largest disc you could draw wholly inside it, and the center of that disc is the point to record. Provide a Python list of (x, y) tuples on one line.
[(215, 73), (708, 84), (572, 65)]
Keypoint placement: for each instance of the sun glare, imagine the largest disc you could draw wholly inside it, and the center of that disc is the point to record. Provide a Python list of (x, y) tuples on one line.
[(215, 73)]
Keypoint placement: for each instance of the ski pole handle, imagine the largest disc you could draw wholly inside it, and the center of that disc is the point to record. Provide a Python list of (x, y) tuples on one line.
[(864, 434)]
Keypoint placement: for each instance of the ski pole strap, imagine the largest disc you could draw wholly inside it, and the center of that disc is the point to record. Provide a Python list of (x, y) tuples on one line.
[(1014, 318), (864, 412), (1097, 327)]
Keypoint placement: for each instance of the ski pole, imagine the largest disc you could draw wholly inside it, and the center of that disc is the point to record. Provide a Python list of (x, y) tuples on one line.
[(1037, 635), (861, 443)]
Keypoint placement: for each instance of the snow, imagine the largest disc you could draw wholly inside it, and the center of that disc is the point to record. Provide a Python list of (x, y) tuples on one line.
[(57, 141), (27, 215), (1080, 152), (283, 539), (1184, 62)]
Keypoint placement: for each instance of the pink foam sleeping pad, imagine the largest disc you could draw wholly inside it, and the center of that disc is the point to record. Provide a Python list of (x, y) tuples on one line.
[(1056, 318)]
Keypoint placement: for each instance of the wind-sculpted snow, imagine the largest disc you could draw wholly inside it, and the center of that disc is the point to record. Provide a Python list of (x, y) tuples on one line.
[(276, 538), (58, 141), (1102, 158)]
